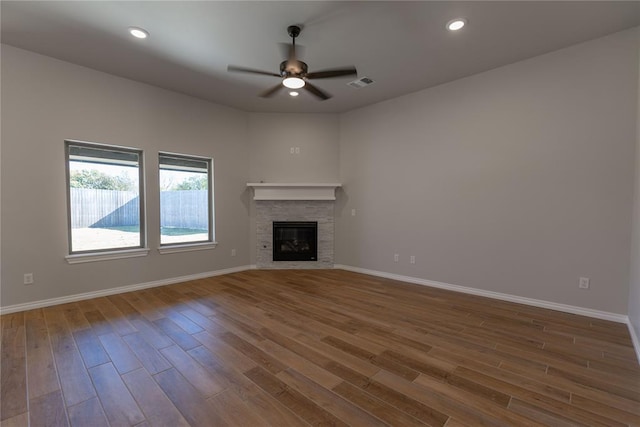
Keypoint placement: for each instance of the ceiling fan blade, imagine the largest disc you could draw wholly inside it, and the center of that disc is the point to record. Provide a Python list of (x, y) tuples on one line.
[(235, 69), (272, 91), (327, 74), (315, 91)]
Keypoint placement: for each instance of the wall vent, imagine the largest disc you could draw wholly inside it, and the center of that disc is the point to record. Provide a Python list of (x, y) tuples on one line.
[(362, 82)]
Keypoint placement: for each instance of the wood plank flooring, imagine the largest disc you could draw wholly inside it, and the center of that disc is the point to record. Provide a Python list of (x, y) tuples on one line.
[(321, 347)]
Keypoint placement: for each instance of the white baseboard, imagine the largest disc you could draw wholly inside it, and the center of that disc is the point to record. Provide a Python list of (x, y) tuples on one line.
[(620, 318), (118, 290)]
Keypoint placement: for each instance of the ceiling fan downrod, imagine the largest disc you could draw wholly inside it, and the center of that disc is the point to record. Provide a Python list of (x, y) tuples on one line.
[(293, 31)]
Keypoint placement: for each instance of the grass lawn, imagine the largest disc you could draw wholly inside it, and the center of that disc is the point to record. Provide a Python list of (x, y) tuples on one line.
[(86, 239)]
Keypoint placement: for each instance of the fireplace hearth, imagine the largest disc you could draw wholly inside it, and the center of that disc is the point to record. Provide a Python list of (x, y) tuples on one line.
[(295, 241)]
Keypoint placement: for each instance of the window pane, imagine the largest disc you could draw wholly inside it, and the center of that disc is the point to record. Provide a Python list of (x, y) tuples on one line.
[(104, 198), (185, 199)]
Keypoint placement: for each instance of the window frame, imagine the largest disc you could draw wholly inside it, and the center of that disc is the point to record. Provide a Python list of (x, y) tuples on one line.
[(210, 243), (115, 252)]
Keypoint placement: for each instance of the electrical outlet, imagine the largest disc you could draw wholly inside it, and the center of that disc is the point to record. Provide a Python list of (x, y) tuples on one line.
[(28, 279), (353, 212), (292, 150), (583, 283), (412, 259), (233, 252), (297, 150), (396, 257)]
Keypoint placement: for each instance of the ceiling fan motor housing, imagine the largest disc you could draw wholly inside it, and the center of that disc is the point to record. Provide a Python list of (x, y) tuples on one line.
[(293, 68)]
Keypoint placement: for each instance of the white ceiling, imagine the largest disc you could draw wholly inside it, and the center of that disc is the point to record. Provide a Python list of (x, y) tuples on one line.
[(402, 46)]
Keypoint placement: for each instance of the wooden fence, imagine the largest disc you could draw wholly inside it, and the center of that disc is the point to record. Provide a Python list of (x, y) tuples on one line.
[(184, 209), (112, 208)]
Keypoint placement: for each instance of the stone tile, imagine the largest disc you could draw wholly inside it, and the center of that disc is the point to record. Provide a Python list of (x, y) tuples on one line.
[(268, 211)]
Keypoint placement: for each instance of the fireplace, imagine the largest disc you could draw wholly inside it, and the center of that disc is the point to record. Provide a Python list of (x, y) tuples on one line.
[(295, 241), (296, 202)]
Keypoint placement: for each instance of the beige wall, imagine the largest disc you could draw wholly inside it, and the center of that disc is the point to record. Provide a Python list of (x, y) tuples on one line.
[(270, 138), (518, 180), (44, 102), (634, 287)]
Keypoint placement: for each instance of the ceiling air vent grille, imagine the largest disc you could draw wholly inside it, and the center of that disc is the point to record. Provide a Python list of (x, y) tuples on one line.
[(362, 82)]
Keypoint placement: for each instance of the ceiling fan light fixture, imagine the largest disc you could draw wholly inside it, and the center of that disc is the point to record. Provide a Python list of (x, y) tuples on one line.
[(456, 24), (294, 73), (293, 82), (139, 33)]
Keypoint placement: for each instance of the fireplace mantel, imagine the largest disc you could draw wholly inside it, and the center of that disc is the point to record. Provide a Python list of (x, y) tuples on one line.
[(293, 191)]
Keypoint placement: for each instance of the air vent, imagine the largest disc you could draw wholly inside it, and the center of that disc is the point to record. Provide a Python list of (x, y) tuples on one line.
[(362, 82)]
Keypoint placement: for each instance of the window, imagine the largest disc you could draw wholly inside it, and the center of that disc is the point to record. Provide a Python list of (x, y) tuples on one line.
[(105, 198), (186, 202)]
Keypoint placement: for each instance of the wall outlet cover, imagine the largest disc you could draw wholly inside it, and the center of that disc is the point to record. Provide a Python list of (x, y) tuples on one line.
[(583, 283)]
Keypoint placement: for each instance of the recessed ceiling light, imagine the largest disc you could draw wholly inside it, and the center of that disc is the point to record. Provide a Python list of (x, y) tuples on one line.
[(294, 93), (456, 24), (138, 32)]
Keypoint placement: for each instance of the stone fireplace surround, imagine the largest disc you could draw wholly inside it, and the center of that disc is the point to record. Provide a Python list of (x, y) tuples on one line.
[(294, 202)]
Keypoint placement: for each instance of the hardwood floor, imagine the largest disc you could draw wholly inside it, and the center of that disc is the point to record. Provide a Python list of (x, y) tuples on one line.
[(323, 347)]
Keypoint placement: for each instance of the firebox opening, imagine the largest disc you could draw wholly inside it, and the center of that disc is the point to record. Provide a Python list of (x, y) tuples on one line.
[(295, 241)]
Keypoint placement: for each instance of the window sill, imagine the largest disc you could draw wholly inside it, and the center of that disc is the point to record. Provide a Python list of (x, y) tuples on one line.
[(106, 256), (187, 247)]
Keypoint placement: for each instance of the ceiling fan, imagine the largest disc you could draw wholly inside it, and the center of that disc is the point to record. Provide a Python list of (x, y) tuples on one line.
[(294, 73)]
